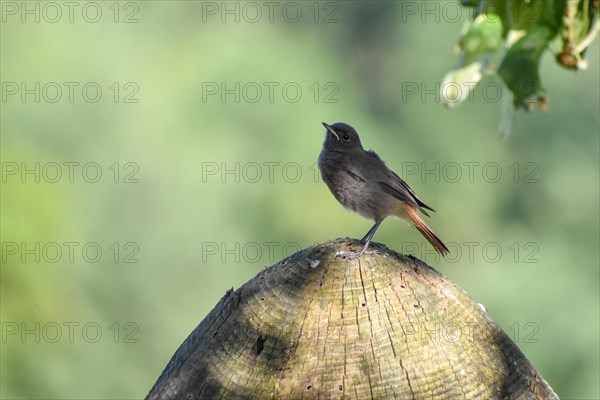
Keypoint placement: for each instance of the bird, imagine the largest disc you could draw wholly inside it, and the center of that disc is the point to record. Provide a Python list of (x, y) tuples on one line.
[(361, 182)]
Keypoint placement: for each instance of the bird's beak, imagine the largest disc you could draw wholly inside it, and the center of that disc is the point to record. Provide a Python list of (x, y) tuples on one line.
[(330, 129)]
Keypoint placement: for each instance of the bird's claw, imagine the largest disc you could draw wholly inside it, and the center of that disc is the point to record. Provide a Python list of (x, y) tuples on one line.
[(351, 255)]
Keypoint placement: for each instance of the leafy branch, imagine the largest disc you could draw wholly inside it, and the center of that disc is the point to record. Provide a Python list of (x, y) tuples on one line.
[(520, 31)]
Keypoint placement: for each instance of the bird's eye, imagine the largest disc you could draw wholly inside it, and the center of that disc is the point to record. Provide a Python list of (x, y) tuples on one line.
[(346, 136)]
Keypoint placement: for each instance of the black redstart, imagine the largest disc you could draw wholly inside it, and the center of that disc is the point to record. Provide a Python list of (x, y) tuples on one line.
[(361, 182)]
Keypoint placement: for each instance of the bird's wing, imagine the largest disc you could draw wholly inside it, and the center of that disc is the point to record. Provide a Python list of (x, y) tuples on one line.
[(355, 175), (389, 181)]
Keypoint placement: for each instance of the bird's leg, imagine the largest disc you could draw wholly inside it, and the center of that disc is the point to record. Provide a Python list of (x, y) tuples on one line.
[(371, 232), (368, 238)]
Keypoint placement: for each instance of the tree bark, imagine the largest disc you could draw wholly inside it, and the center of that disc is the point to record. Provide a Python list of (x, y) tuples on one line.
[(321, 325)]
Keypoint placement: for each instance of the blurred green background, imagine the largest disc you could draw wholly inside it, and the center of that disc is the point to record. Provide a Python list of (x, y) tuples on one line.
[(204, 189)]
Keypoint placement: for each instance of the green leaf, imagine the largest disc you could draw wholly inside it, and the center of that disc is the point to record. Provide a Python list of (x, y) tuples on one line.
[(458, 84), (519, 68), (528, 15), (524, 29), (483, 35), (525, 14)]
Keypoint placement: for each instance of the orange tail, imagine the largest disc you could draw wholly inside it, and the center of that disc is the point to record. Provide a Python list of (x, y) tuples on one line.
[(415, 219)]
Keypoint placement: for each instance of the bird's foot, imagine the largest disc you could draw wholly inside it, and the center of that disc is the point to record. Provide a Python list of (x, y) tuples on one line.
[(351, 255)]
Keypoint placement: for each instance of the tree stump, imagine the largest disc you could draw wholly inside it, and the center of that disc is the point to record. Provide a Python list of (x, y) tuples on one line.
[(320, 325)]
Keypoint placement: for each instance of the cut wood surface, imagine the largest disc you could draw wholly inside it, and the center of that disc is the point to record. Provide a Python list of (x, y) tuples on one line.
[(320, 325)]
